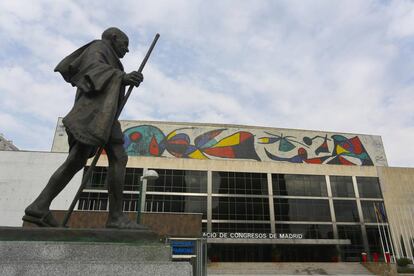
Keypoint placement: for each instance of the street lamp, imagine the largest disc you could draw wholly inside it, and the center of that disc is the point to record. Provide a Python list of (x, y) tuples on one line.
[(148, 175)]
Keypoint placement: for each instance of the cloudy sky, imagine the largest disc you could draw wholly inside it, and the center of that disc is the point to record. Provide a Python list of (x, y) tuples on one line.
[(343, 66)]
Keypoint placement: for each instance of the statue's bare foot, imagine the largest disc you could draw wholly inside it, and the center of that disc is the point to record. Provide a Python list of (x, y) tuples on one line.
[(40, 217), (123, 222)]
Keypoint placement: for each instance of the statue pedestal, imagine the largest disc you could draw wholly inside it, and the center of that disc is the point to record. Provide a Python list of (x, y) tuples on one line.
[(62, 251)]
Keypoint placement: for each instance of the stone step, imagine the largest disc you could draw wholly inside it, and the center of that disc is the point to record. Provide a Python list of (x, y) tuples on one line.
[(99, 269), (291, 268)]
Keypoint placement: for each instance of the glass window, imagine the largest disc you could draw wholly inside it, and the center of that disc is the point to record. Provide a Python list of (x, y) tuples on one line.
[(301, 209), (98, 179), (346, 210), (368, 210), (239, 183), (342, 186), (240, 208), (309, 231), (241, 227), (132, 179), (369, 187), (130, 202), (93, 201), (353, 251), (179, 181), (299, 185), (176, 204), (374, 240)]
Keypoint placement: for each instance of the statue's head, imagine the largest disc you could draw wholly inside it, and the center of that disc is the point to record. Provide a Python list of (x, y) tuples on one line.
[(118, 40)]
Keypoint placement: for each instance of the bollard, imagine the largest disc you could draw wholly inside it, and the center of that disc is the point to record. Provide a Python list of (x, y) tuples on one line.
[(364, 257)]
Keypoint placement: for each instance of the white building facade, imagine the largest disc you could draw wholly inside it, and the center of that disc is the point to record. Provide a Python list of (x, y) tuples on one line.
[(266, 194)]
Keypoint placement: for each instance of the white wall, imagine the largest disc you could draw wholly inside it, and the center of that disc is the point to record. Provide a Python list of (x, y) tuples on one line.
[(23, 175), (397, 186)]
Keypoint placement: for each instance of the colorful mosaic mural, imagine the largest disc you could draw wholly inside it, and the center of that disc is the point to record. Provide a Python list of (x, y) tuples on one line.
[(344, 151), (148, 140), (200, 143)]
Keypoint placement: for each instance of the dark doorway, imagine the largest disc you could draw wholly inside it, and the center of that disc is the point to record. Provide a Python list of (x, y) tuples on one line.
[(271, 253), (240, 253), (304, 253)]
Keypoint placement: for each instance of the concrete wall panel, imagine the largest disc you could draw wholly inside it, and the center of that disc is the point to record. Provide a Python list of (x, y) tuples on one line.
[(22, 176)]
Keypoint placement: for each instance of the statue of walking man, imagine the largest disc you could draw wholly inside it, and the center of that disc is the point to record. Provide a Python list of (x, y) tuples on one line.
[(96, 71)]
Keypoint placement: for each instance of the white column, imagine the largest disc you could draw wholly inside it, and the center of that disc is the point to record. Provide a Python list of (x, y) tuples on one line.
[(271, 204), (360, 214), (331, 206), (209, 199)]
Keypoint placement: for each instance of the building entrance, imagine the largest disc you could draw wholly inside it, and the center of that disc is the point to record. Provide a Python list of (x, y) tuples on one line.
[(239, 253), (271, 253)]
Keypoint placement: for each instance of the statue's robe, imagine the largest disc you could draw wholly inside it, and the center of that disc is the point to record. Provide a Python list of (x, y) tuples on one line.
[(97, 73)]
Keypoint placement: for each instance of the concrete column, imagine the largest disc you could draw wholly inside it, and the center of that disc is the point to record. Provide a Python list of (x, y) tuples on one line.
[(271, 205), (361, 216), (333, 216), (209, 199), (331, 206)]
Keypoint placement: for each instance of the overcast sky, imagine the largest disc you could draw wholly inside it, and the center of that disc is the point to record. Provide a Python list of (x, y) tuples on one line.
[(342, 66)]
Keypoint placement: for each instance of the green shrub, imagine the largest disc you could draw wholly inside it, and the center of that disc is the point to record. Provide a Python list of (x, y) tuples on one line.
[(405, 269), (404, 261)]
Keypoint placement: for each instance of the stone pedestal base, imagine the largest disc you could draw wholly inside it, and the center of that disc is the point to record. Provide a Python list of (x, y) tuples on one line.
[(90, 252)]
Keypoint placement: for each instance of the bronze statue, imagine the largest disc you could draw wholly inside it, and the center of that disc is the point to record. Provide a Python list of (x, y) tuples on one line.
[(98, 74)]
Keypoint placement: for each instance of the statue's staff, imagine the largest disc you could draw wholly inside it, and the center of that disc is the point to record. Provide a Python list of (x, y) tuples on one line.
[(92, 166)]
